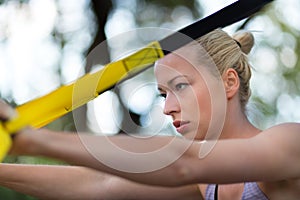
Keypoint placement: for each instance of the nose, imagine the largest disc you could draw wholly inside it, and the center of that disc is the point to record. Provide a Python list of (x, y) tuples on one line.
[(171, 104)]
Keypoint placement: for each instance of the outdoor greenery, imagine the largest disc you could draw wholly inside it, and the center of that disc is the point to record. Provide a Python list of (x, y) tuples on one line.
[(276, 67)]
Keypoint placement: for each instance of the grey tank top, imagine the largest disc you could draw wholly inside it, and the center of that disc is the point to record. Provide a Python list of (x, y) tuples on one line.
[(251, 191)]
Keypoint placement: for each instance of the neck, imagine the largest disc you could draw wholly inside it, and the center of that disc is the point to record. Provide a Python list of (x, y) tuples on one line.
[(237, 125)]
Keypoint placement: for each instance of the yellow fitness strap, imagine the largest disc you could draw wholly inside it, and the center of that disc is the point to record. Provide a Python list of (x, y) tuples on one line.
[(43, 110)]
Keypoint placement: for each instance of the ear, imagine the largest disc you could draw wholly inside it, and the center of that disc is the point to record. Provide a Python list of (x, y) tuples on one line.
[(231, 82)]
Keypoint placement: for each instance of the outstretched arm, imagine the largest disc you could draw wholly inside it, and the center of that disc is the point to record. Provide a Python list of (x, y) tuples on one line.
[(262, 158), (170, 161), (52, 182), (66, 182)]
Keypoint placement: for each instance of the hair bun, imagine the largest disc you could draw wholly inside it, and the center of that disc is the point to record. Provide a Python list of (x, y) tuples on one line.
[(245, 39)]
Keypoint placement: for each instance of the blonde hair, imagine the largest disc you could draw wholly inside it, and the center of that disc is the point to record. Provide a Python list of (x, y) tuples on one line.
[(231, 52)]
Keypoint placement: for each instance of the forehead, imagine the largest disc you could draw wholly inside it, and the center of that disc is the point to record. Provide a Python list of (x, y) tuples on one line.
[(174, 64)]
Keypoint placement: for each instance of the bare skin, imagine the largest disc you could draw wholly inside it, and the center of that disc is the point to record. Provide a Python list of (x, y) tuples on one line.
[(243, 153), (67, 182)]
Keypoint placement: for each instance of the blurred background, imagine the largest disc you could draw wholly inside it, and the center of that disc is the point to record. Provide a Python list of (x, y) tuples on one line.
[(44, 44)]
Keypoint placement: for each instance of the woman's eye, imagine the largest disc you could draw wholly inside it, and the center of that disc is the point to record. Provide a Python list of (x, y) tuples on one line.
[(163, 95), (180, 86)]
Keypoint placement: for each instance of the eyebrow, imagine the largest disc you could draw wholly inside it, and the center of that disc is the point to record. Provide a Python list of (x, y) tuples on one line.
[(176, 77), (171, 81)]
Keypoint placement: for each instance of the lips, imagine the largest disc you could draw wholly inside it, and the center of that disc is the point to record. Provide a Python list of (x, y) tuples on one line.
[(180, 126)]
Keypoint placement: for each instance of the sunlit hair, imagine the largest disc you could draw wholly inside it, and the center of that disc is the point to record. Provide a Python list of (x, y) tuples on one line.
[(231, 52)]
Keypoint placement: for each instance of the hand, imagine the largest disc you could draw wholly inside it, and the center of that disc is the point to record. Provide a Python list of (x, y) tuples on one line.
[(6, 111), (21, 140)]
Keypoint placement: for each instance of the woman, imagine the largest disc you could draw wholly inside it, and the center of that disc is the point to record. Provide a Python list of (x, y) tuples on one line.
[(206, 101)]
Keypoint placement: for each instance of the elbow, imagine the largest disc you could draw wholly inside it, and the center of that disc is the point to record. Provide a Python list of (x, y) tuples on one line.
[(182, 172)]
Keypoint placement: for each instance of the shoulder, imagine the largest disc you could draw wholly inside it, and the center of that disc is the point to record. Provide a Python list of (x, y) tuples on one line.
[(292, 126), (282, 136), (285, 133), (280, 145)]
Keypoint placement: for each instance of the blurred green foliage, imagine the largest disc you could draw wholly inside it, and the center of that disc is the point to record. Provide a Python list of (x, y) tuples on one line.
[(7, 194), (157, 12)]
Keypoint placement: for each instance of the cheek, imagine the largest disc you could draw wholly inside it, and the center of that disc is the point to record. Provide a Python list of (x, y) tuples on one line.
[(195, 100), (204, 102), (204, 106)]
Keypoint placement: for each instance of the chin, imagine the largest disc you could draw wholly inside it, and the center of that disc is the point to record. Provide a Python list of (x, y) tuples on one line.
[(193, 136)]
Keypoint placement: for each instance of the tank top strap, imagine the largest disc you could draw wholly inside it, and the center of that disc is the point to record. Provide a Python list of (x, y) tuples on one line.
[(252, 191)]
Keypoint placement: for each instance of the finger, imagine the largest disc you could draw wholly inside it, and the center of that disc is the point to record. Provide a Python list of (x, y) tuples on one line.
[(6, 111)]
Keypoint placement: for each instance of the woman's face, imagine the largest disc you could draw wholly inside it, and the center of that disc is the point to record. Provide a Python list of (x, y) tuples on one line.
[(187, 93)]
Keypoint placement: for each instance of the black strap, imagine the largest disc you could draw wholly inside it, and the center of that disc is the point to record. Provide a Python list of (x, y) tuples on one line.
[(216, 192), (224, 17)]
